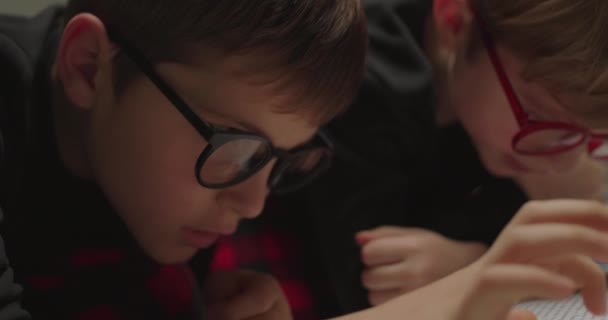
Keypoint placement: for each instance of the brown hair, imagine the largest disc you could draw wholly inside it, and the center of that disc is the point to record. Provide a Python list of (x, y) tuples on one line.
[(562, 41), (314, 46)]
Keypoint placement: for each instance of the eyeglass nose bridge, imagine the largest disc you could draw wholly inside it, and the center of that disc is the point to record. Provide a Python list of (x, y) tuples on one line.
[(205, 154), (594, 144), (597, 147)]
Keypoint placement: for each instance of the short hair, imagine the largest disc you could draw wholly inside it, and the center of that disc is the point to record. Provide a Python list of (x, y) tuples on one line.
[(562, 42), (315, 48)]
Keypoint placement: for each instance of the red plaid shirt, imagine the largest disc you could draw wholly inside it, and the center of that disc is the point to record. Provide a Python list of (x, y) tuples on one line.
[(111, 284), (267, 248)]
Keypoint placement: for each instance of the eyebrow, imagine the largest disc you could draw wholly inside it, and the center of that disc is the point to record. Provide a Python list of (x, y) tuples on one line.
[(252, 128), (198, 104), (244, 126), (532, 100)]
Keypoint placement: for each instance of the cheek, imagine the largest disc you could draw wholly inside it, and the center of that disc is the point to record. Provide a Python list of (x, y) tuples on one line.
[(483, 110), (144, 156)]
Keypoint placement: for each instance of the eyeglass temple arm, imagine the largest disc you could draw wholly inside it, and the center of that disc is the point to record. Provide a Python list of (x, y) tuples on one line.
[(520, 114), (201, 126)]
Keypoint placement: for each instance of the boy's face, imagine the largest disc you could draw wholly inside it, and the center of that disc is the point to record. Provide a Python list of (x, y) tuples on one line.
[(479, 101), (143, 154), (481, 105), (473, 91)]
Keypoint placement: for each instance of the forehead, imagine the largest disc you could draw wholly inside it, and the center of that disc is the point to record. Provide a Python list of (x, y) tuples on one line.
[(215, 89), (590, 111)]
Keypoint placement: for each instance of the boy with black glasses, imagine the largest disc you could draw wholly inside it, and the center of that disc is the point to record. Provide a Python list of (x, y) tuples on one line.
[(139, 132), (136, 133)]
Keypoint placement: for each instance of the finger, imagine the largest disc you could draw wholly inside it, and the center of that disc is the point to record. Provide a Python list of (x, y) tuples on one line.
[(502, 286), (387, 250), (365, 236), (396, 276), (518, 314), (592, 214), (220, 285), (279, 311), (361, 238), (549, 240), (385, 278), (219, 311), (382, 231), (590, 277), (259, 292), (379, 297)]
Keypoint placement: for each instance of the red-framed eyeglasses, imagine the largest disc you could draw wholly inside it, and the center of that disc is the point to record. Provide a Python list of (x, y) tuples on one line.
[(542, 138)]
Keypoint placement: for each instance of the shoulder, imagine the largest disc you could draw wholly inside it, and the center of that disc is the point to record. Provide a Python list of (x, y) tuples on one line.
[(22, 41), (25, 51), (396, 28), (393, 113)]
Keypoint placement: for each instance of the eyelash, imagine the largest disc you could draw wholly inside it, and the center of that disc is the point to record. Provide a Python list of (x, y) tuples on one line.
[(224, 128), (534, 116)]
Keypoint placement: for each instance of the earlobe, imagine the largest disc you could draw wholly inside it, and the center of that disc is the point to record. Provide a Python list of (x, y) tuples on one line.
[(446, 12), (451, 19), (81, 54)]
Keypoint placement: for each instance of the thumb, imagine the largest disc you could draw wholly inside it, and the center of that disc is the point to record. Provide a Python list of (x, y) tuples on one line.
[(365, 236), (519, 314), (220, 286)]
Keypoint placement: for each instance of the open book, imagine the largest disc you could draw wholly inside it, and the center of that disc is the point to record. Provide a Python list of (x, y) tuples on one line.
[(568, 309)]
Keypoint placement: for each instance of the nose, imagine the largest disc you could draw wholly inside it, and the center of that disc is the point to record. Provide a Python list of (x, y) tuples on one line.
[(247, 198)]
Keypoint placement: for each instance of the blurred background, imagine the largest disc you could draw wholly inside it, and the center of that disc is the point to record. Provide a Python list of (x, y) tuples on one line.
[(25, 7)]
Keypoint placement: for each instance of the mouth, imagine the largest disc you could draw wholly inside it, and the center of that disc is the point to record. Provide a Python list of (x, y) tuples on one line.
[(199, 239)]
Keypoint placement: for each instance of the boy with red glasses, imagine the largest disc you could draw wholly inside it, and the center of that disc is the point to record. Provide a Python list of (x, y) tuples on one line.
[(526, 80)]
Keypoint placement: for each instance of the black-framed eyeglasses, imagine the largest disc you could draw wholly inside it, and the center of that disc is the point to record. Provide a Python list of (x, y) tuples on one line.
[(232, 156)]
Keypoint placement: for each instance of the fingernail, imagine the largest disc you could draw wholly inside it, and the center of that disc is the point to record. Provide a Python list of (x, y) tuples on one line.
[(361, 238)]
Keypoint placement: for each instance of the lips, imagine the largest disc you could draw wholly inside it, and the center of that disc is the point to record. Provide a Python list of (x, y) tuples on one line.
[(199, 239)]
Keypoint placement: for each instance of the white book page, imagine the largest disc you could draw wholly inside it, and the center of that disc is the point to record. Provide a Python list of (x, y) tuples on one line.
[(568, 309)]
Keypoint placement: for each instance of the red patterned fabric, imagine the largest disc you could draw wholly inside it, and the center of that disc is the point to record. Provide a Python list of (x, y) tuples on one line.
[(112, 284), (270, 250)]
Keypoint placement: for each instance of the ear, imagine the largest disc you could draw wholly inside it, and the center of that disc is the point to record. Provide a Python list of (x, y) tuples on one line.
[(452, 20), (84, 50)]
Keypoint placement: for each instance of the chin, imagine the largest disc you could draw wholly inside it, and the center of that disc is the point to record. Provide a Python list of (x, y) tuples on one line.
[(505, 165), (168, 256), (498, 170)]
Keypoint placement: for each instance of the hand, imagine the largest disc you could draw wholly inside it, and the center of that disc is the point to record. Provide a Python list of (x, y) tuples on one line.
[(546, 251), (399, 260), (244, 295)]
